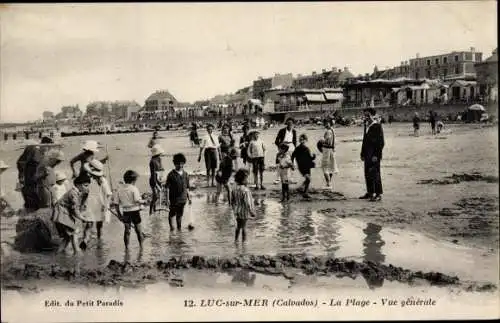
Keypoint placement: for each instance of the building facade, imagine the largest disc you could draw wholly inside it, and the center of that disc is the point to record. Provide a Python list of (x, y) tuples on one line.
[(326, 79), (487, 77), (160, 101), (449, 66), (260, 85)]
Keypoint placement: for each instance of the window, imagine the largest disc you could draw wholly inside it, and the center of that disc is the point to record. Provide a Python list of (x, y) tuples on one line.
[(445, 60), (457, 70), (437, 61), (456, 58), (428, 62), (428, 74), (445, 72)]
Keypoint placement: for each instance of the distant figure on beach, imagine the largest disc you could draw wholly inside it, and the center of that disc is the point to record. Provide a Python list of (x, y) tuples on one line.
[(288, 136), (193, 136), (371, 155), (210, 148), (432, 121), (416, 124), (154, 140)]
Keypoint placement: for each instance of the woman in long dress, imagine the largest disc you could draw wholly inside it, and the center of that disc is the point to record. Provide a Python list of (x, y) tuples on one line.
[(328, 162)]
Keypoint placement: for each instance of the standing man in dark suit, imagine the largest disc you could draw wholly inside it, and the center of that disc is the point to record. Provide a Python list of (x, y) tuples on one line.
[(371, 154), (288, 136)]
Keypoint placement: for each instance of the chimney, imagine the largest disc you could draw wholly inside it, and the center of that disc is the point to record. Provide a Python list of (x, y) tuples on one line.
[(334, 70), (346, 69), (313, 72), (323, 70), (473, 49), (418, 55)]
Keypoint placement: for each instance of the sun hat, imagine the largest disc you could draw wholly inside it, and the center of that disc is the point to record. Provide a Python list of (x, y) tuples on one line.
[(3, 165), (60, 175), (94, 167), (157, 150), (91, 145)]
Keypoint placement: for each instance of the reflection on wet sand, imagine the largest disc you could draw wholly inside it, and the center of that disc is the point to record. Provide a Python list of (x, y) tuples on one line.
[(327, 233), (295, 229), (243, 276), (372, 250)]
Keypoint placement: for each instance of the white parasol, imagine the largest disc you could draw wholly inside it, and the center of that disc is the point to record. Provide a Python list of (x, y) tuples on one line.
[(476, 107)]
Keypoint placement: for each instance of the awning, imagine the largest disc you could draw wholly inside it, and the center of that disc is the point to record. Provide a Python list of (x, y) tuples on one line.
[(419, 87), (395, 89), (255, 101), (315, 97), (334, 96)]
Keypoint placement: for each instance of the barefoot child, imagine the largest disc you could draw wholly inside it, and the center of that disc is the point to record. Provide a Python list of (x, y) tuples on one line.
[(177, 191), (256, 153), (242, 203), (129, 207), (68, 210), (284, 163), (224, 174), (305, 162)]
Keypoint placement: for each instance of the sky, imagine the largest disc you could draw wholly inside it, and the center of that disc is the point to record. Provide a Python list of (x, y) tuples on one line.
[(62, 54)]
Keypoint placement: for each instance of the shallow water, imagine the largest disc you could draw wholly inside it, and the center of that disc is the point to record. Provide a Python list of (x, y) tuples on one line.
[(279, 229)]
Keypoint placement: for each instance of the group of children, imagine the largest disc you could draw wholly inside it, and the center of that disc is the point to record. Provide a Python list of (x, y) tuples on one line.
[(126, 204)]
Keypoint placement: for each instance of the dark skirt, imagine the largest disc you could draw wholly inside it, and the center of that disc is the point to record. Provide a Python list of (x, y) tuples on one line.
[(211, 158)]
